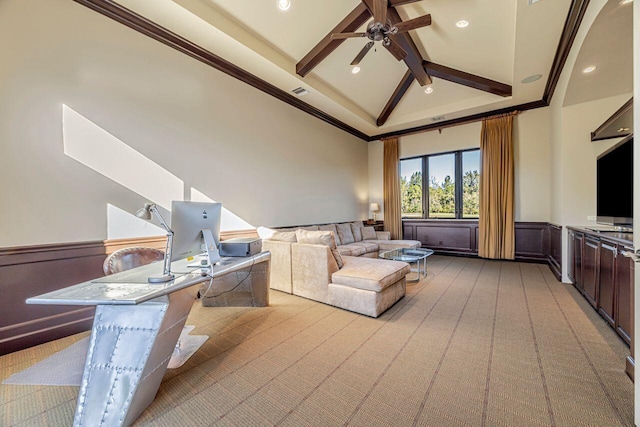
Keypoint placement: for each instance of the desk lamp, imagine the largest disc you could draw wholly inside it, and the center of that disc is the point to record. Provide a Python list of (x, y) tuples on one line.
[(147, 212)]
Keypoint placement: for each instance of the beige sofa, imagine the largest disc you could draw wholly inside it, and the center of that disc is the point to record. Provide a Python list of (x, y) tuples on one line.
[(364, 284)]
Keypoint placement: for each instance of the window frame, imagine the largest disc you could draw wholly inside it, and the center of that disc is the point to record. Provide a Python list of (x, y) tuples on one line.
[(458, 192)]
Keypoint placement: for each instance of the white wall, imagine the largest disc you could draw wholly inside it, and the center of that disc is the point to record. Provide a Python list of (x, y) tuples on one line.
[(531, 156), (267, 162)]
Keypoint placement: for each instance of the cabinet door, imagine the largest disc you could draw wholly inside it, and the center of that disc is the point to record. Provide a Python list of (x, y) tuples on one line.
[(624, 303), (578, 240), (590, 270), (606, 276), (571, 251)]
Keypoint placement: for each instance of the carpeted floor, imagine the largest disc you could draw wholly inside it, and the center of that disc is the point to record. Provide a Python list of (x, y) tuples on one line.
[(476, 343)]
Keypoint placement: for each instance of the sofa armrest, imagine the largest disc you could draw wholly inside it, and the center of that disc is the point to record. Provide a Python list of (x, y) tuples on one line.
[(383, 235), (280, 275), (311, 270)]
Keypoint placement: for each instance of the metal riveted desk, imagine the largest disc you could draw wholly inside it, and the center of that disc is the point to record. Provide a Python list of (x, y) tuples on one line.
[(135, 329)]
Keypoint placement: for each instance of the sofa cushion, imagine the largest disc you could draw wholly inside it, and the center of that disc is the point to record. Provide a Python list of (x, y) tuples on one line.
[(369, 246), (370, 274), (387, 245), (332, 228), (309, 228), (284, 236), (352, 249), (321, 238), (357, 232), (369, 233), (345, 234)]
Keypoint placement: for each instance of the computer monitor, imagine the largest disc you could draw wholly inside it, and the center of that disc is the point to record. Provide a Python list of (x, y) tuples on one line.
[(196, 228)]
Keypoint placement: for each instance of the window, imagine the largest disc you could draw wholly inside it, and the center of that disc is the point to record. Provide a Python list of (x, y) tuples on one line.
[(441, 185)]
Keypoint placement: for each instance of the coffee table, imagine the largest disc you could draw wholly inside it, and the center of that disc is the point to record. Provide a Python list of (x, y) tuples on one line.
[(410, 255)]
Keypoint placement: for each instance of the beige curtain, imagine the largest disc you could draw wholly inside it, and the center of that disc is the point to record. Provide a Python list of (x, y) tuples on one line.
[(496, 223), (392, 214)]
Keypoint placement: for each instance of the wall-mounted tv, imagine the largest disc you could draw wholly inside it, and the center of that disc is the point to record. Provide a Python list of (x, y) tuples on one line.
[(615, 185)]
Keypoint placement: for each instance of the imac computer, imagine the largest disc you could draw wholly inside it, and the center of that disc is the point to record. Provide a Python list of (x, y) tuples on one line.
[(196, 227)]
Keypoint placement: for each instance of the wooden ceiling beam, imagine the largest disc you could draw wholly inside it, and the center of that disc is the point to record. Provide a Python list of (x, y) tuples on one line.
[(351, 23), (467, 79), (394, 3), (402, 88), (413, 58)]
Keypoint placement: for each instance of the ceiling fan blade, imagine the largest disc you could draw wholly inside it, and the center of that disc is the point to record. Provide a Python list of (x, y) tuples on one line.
[(396, 50), (362, 53), (380, 11), (337, 36), (412, 24)]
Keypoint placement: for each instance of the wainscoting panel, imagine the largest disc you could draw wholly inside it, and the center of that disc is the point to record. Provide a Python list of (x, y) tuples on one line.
[(534, 241), (34, 270)]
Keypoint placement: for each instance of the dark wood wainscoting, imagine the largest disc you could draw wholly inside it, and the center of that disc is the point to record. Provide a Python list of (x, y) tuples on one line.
[(34, 270), (535, 241)]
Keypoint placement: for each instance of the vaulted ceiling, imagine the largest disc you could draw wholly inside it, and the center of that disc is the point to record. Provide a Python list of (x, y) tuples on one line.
[(468, 71)]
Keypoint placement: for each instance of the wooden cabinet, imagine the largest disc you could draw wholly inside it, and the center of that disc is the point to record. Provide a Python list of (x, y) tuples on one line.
[(604, 276), (590, 270)]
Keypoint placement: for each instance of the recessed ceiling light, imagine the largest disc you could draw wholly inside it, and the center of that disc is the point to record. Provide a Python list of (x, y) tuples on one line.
[(589, 69), (533, 2), (532, 78), (462, 24), (620, 130), (284, 4), (355, 70), (623, 2), (428, 90)]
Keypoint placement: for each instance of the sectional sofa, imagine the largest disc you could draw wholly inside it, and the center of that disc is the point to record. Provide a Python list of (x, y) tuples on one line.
[(337, 264)]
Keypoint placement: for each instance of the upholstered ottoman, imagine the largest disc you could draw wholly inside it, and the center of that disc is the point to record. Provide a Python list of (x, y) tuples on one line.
[(368, 286)]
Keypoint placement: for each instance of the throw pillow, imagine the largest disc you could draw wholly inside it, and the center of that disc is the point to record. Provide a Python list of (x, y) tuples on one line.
[(284, 236), (356, 230), (345, 234), (321, 238), (332, 228), (368, 233)]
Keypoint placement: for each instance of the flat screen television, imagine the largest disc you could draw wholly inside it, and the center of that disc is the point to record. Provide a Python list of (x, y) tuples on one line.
[(615, 185)]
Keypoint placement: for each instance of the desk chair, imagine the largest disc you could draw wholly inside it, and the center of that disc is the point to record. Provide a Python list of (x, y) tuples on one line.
[(128, 258)]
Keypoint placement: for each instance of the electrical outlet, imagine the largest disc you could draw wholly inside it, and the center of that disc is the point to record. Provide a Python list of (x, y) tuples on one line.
[(591, 218)]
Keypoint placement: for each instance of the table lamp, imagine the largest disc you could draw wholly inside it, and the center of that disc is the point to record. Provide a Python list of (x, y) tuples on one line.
[(374, 208), (147, 212)]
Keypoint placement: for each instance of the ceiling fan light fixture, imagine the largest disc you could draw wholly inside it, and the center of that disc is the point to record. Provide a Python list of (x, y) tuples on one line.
[(284, 5), (428, 90), (589, 69), (355, 70), (462, 24)]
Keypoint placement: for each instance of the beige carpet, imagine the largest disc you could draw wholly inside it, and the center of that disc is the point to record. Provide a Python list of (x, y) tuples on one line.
[(476, 343)]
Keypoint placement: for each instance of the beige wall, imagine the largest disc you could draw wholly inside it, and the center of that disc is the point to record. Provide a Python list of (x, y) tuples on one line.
[(169, 116), (531, 151)]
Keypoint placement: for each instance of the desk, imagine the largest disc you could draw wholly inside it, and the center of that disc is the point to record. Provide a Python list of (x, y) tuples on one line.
[(135, 329)]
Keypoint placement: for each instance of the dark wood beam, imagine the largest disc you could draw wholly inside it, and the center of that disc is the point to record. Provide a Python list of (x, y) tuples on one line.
[(467, 79), (402, 88), (413, 58), (351, 23), (460, 121), (571, 25), (142, 25), (394, 3)]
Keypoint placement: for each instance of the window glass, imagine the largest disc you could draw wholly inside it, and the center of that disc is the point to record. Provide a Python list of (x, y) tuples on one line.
[(442, 186), (470, 184), (411, 187)]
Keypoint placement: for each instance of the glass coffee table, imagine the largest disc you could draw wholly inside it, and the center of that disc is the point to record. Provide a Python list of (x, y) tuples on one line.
[(410, 255)]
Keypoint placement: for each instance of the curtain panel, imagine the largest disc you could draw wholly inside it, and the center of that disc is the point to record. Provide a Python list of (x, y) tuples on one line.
[(392, 208), (496, 225)]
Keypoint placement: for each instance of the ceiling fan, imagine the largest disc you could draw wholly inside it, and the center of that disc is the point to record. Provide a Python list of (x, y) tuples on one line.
[(380, 29)]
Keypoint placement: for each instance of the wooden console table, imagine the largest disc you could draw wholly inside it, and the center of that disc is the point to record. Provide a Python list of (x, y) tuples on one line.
[(135, 330)]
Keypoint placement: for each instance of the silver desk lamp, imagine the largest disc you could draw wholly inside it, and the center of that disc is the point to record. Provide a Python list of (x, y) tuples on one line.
[(147, 212)]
